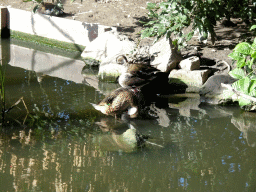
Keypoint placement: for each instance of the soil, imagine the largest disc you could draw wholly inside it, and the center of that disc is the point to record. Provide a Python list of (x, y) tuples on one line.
[(125, 15)]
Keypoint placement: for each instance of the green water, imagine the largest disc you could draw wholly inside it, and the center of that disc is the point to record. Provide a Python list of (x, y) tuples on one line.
[(63, 144)]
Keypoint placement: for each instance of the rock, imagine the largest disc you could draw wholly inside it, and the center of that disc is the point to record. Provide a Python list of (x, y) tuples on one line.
[(186, 104), (190, 64), (110, 72), (167, 57), (212, 91), (193, 79), (108, 44), (118, 139), (245, 123)]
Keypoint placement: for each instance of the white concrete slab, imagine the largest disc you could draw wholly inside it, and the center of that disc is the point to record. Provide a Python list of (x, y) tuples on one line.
[(61, 29)]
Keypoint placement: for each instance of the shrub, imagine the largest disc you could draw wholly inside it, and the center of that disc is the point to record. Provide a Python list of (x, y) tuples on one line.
[(171, 17), (245, 72)]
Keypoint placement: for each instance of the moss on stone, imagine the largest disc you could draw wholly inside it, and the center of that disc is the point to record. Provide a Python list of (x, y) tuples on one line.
[(47, 41)]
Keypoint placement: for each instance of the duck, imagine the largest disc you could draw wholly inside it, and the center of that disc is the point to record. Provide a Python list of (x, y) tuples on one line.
[(121, 100), (138, 75)]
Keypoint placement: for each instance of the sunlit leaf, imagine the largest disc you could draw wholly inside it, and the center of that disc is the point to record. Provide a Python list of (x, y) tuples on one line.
[(235, 55), (151, 6), (227, 94), (253, 27), (237, 73), (253, 55), (244, 48), (241, 63), (253, 93), (242, 101), (252, 85), (251, 63), (244, 85)]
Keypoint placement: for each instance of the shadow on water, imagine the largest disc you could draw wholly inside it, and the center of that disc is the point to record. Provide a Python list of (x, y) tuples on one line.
[(64, 144)]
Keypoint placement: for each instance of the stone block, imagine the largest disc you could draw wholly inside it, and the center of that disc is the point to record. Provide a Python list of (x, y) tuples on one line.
[(108, 44), (166, 56), (190, 64), (193, 79)]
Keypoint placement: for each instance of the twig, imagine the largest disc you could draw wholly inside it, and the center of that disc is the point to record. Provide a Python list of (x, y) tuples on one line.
[(15, 104), (238, 93)]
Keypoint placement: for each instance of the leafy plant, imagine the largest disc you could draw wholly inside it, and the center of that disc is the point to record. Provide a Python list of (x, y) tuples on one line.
[(245, 56), (172, 17), (56, 10)]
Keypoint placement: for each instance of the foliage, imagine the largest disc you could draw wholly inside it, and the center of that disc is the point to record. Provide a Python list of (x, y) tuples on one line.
[(245, 71), (2, 88), (173, 16), (58, 5)]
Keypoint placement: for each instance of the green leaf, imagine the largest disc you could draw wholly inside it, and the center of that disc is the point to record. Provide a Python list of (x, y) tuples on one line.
[(235, 55), (146, 33), (253, 93), (236, 86), (253, 27), (244, 85), (254, 44), (244, 48), (35, 8), (242, 101), (189, 35), (164, 5), (253, 55), (150, 23), (237, 73), (174, 4), (252, 85), (227, 94), (151, 6), (241, 63), (251, 63)]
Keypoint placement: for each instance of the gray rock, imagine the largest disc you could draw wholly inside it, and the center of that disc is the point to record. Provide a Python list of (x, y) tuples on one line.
[(190, 64), (108, 44), (193, 79), (212, 91), (167, 57)]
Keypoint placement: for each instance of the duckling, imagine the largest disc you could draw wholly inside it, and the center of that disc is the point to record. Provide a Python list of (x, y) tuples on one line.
[(118, 102)]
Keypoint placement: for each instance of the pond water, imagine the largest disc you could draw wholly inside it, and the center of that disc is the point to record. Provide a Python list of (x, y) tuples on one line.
[(63, 144)]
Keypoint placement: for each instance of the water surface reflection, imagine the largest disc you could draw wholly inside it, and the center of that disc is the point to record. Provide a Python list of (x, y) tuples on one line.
[(65, 145)]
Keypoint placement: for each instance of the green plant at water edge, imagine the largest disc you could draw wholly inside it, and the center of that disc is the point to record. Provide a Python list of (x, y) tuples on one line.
[(245, 72), (172, 17), (57, 3), (2, 89)]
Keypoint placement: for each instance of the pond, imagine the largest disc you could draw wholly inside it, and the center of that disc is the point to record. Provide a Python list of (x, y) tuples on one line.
[(63, 144)]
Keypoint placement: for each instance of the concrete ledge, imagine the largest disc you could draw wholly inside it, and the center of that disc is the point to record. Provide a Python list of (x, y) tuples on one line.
[(51, 27)]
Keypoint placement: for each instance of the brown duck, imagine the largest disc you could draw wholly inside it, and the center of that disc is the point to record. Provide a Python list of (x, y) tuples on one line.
[(137, 75), (119, 101)]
